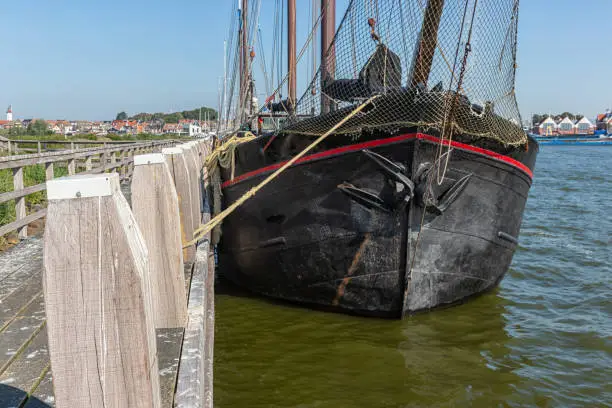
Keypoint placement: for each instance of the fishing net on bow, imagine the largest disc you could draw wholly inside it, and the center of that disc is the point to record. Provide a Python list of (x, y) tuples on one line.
[(441, 65)]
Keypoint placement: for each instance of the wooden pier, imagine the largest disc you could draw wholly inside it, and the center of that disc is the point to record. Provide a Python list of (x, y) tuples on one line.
[(110, 308)]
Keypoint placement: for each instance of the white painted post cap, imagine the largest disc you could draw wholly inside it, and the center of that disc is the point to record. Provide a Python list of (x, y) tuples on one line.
[(151, 158), (83, 186), (172, 150)]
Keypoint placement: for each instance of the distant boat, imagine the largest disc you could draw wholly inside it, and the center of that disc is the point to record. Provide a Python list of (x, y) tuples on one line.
[(591, 140)]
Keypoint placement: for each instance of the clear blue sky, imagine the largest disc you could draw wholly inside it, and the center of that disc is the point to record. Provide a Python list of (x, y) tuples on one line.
[(82, 59)]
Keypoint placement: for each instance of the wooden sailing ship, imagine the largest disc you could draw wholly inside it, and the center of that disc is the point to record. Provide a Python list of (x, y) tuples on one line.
[(415, 202)]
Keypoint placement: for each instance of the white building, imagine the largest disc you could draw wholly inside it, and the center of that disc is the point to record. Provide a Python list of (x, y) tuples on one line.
[(585, 126), (9, 113), (548, 127), (192, 128), (566, 126)]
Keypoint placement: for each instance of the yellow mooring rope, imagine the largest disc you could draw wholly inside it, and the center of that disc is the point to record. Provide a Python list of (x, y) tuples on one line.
[(223, 155), (204, 229)]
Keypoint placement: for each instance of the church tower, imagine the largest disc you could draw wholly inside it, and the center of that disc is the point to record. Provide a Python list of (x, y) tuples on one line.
[(9, 113)]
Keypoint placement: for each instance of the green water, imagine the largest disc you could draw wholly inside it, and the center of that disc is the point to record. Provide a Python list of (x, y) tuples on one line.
[(544, 338)]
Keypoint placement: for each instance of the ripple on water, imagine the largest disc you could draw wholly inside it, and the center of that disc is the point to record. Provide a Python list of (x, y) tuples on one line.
[(544, 338)]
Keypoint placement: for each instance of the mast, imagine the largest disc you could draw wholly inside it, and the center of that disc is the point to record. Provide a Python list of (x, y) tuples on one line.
[(328, 60), (244, 61), (429, 41), (291, 53)]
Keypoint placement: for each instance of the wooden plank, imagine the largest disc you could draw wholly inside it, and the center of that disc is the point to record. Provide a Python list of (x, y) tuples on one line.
[(209, 341), (42, 395), (169, 342), (5, 229), (19, 262), (11, 195), (156, 210), (101, 335), (26, 372), (20, 205), (192, 384), (21, 331), (13, 303), (10, 162), (182, 181)]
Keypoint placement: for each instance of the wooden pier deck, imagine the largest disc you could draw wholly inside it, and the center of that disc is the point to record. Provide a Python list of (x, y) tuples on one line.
[(183, 354), (25, 375)]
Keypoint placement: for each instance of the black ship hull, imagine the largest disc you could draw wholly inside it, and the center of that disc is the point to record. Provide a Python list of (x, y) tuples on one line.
[(363, 226)]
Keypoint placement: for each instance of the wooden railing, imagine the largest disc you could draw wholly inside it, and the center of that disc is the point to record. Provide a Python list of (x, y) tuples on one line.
[(110, 156), (15, 146)]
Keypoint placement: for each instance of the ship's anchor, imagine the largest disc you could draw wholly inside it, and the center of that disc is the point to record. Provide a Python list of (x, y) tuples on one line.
[(427, 196), (400, 194)]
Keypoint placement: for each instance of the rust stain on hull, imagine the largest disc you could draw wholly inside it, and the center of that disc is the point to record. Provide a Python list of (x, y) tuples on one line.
[(351, 271)]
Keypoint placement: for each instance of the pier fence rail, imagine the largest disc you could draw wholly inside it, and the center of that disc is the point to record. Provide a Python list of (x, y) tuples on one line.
[(110, 156)]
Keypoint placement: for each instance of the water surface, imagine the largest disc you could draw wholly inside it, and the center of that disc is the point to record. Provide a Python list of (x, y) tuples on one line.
[(544, 338)]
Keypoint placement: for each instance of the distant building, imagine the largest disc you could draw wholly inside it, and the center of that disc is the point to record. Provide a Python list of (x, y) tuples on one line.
[(548, 127), (9, 114), (191, 128), (585, 127), (174, 128), (566, 127)]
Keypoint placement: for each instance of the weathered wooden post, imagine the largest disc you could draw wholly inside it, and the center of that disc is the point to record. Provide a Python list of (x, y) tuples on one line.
[(71, 167), (49, 173), (20, 204), (101, 334), (175, 157), (123, 170), (156, 209), (194, 172), (130, 166), (113, 160)]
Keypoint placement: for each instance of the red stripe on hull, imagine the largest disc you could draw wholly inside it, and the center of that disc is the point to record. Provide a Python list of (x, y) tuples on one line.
[(382, 142)]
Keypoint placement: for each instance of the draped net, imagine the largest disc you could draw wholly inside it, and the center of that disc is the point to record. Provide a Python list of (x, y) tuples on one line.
[(442, 65)]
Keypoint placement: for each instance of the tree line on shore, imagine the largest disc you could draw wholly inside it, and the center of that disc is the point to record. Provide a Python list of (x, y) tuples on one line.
[(174, 117)]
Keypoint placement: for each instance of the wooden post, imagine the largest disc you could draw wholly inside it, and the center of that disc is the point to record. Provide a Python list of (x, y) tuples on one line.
[(194, 172), (156, 209), (101, 336), (71, 167), (88, 165), (177, 163), (38, 147), (103, 160), (130, 166), (113, 160), (9, 147), (122, 170), (20, 204), (49, 171)]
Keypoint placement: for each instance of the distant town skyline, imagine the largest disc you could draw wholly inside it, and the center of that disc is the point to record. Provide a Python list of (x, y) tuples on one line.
[(87, 61)]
